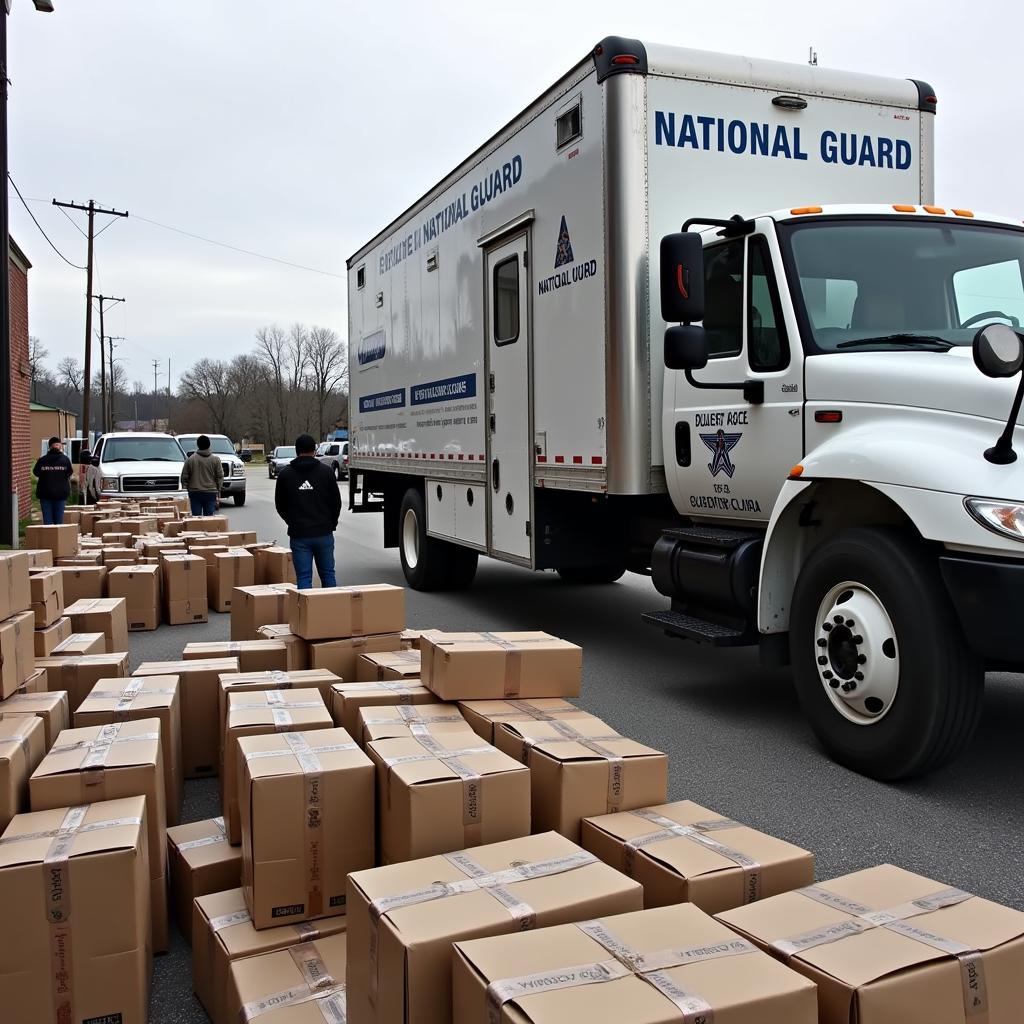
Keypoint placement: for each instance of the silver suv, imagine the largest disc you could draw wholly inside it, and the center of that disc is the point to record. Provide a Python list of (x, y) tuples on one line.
[(234, 467), (335, 455), (130, 465)]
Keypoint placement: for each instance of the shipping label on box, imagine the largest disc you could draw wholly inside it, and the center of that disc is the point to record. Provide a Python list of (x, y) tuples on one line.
[(102, 615), (200, 860), (78, 675), (78, 644), (685, 853), (388, 665), (47, 588), (581, 767), (252, 655), (348, 698), (253, 607), (228, 570), (673, 963), (886, 946), (140, 587), (128, 700), (337, 612), (403, 918), (15, 589), (77, 879), (222, 932), (83, 582), (340, 656), (496, 666), (17, 651), (61, 540), (485, 715), (307, 803), (52, 708), (297, 648), (198, 689), (22, 748)]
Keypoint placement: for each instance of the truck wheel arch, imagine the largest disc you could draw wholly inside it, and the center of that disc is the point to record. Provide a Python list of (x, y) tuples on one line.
[(807, 514)]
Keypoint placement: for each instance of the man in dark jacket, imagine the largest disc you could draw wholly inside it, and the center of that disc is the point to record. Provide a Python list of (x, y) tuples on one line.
[(203, 477), (54, 471), (308, 500)]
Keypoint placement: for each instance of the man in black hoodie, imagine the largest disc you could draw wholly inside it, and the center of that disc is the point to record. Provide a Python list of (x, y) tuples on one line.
[(308, 500), (54, 471)]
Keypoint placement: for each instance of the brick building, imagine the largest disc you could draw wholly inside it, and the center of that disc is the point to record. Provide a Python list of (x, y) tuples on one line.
[(21, 453)]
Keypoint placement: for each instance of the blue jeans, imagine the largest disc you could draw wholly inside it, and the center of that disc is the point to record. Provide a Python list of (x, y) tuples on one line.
[(204, 503), (53, 511), (306, 551)]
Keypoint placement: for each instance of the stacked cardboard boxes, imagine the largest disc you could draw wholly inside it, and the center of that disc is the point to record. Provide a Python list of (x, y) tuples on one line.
[(297, 649), (254, 606), (108, 616), (22, 748), (78, 675), (200, 861), (52, 708), (185, 596), (139, 586), (348, 699), (227, 570)]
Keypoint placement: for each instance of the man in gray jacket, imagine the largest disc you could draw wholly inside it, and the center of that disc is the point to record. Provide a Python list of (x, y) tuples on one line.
[(203, 477)]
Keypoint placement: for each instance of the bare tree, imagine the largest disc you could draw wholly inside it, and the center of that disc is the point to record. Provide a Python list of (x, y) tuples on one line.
[(327, 374), (209, 383), (37, 353), (70, 374), (272, 349)]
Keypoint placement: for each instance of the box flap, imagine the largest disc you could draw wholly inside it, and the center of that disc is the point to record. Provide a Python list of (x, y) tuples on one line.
[(428, 757), (115, 745), (566, 740)]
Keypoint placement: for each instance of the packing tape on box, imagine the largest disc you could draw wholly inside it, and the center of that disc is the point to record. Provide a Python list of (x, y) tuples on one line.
[(513, 659), (489, 882), (895, 919), (413, 714), (314, 823), (17, 740), (318, 987), (195, 844), (626, 962), (696, 832)]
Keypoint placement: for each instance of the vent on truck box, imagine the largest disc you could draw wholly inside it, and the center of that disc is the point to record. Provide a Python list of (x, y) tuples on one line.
[(569, 125), (361, 277)]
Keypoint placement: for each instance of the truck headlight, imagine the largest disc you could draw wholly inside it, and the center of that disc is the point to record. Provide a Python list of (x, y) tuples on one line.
[(1003, 517), (239, 470), (108, 483)]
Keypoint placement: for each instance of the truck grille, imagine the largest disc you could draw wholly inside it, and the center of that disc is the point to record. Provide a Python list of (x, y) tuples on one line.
[(145, 484)]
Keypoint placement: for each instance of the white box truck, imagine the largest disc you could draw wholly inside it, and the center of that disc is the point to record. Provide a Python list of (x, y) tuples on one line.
[(776, 414)]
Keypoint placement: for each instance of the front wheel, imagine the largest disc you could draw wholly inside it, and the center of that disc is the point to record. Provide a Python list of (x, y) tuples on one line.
[(240, 499), (429, 563), (881, 667), (337, 471)]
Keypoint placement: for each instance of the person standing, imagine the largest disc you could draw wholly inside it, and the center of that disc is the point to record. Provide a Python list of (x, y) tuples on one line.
[(203, 477), (54, 472), (308, 500)]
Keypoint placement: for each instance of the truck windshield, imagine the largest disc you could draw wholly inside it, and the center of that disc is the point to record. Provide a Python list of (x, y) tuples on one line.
[(142, 449), (867, 284)]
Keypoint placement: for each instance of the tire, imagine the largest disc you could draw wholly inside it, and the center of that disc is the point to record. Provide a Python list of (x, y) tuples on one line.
[(592, 574), (337, 471), (429, 563), (270, 474), (919, 698), (239, 499)]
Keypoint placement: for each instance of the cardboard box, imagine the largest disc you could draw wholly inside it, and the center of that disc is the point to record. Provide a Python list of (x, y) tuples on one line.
[(17, 652), (198, 689), (139, 585), (47, 588), (61, 540), (274, 565), (120, 556), (647, 967), (252, 655), (307, 802), (205, 524), (45, 640), (401, 721), (403, 918), (253, 607), (200, 860), (222, 933), (226, 571), (78, 675), (685, 853), (496, 666), (297, 648), (109, 762), (340, 656), (336, 612), (36, 683), (22, 748), (582, 767), (347, 699), (129, 700), (106, 615), (76, 880), (81, 643), (38, 558), (444, 791), (411, 638), (15, 588), (185, 599), (172, 528), (257, 713), (290, 986), (388, 665), (886, 946), (51, 708), (83, 582), (485, 715)]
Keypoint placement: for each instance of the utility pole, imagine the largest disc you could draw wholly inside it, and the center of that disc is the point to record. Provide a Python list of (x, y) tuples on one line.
[(111, 338), (103, 376), (156, 363), (91, 209)]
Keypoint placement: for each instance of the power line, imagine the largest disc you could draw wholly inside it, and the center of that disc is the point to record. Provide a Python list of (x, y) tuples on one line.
[(41, 231)]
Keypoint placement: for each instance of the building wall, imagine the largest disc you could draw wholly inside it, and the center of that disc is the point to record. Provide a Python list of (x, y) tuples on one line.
[(49, 423), (21, 444)]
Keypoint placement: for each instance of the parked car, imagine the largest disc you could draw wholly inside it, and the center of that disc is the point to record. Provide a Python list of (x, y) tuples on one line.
[(279, 458), (234, 469), (245, 454), (134, 465), (335, 455)]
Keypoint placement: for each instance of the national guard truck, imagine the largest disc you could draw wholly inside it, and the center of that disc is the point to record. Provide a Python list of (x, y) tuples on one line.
[(697, 316)]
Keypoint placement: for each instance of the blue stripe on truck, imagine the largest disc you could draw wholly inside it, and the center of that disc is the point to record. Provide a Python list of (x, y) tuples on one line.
[(383, 400)]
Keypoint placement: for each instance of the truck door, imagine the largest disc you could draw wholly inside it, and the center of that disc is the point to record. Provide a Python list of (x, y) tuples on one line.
[(510, 467), (732, 456)]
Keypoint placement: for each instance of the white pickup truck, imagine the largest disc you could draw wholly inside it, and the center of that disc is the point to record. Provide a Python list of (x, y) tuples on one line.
[(818, 460)]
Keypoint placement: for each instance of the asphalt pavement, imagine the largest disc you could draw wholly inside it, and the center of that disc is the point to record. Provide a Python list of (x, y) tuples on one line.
[(733, 732)]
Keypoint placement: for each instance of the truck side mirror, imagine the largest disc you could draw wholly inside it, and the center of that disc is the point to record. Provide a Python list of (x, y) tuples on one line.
[(998, 351), (682, 277), (686, 348)]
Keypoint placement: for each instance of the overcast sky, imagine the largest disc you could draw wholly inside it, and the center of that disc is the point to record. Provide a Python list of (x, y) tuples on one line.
[(298, 128)]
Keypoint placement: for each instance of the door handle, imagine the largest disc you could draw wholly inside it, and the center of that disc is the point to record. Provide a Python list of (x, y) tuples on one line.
[(495, 474), (494, 423)]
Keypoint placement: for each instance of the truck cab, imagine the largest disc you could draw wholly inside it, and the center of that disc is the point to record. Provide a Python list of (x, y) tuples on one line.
[(133, 466), (839, 441)]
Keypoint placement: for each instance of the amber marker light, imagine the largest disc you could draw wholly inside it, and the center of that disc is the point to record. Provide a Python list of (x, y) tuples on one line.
[(796, 472), (903, 208), (801, 211)]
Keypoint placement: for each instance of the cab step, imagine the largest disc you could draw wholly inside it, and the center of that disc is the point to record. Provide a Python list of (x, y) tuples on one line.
[(689, 627)]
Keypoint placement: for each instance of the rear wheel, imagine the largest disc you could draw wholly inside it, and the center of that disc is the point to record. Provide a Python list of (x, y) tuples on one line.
[(880, 663), (337, 471), (429, 563), (594, 574)]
